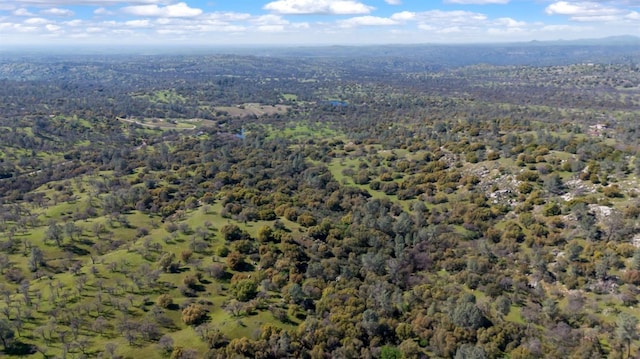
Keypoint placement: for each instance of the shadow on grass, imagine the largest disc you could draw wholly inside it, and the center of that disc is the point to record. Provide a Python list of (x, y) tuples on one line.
[(21, 349), (71, 248)]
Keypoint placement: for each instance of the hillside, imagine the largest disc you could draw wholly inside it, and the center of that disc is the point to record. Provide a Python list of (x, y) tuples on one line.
[(217, 206)]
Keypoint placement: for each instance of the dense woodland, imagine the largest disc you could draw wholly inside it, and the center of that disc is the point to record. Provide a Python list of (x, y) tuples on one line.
[(456, 202)]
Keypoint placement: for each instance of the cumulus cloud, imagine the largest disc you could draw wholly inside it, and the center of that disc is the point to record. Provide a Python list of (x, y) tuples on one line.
[(137, 23), (404, 16), (367, 21), (177, 10), (102, 11), (476, 2), (83, 2), (57, 12), (509, 22), (52, 27), (327, 7), (586, 11), (450, 17), (36, 21), (22, 12), (73, 23)]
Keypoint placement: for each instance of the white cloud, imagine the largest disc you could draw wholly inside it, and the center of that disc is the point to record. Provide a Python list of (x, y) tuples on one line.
[(634, 15), (137, 23), (476, 2), (84, 2), (269, 20), (102, 11), (270, 28), (53, 28), (367, 21), (403, 16), (450, 30), (36, 21), (57, 12), (22, 12), (393, 2), (227, 16), (451, 17), (335, 7), (25, 29), (73, 23), (509, 22), (587, 11), (178, 10)]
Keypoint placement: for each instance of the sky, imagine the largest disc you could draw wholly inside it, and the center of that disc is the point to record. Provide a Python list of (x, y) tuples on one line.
[(310, 22)]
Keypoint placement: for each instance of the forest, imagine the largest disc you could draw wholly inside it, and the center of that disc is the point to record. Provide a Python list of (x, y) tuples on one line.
[(345, 202)]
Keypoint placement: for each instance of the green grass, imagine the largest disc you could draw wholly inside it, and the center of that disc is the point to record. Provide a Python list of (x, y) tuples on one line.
[(515, 315), (301, 131)]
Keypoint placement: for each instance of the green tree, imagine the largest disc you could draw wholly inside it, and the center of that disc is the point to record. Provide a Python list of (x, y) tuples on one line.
[(467, 315), (36, 259), (244, 289), (54, 233), (468, 351), (503, 305), (265, 234), (194, 314), (6, 333), (627, 330), (390, 352)]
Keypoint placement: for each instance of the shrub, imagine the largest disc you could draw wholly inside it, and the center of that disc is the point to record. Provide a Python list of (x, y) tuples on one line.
[(194, 314), (164, 301), (244, 289)]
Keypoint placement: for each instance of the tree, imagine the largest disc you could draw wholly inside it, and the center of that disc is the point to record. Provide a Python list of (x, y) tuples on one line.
[(54, 233), (553, 184), (232, 232), (194, 314), (36, 259), (468, 351), (244, 290), (467, 315), (6, 333), (503, 305), (235, 260), (164, 301), (627, 330), (265, 234), (166, 344), (389, 352)]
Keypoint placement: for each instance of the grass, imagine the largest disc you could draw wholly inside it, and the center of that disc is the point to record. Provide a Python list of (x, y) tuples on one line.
[(248, 109), (301, 131)]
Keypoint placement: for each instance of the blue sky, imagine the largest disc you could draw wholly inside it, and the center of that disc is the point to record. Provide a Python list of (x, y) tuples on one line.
[(311, 22)]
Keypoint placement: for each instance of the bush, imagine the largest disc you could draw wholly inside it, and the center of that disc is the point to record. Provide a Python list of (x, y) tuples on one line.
[(194, 314), (235, 260), (164, 301), (244, 289)]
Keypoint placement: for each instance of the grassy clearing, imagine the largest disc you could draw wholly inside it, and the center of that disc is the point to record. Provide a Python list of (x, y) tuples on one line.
[(249, 109), (303, 131)]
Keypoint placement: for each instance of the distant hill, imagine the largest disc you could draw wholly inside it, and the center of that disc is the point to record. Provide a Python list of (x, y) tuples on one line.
[(614, 49), (626, 40)]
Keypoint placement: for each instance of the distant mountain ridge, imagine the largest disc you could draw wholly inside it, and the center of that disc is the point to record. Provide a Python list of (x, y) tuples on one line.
[(609, 40), (390, 57)]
